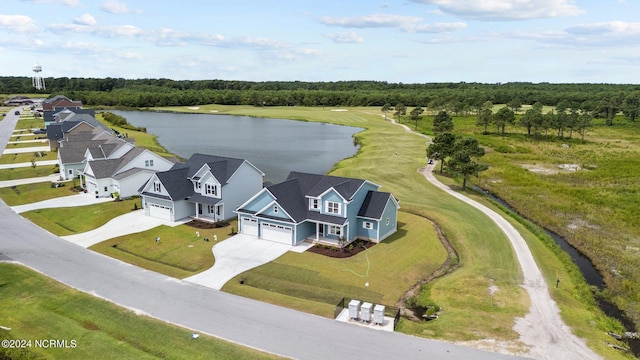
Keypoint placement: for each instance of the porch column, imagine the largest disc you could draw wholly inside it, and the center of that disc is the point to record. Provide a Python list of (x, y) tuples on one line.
[(197, 210), (317, 231)]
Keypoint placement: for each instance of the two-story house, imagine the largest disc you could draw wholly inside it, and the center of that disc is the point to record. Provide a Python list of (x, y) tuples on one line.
[(319, 208), (120, 173), (206, 187)]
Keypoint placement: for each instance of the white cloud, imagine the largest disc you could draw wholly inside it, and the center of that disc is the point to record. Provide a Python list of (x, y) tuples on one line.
[(349, 37), (20, 24), (370, 21), (104, 31), (69, 3), (115, 7), (85, 19), (434, 28), (506, 9), (617, 28), (602, 34)]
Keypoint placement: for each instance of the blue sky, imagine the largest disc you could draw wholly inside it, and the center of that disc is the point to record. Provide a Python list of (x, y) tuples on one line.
[(408, 41)]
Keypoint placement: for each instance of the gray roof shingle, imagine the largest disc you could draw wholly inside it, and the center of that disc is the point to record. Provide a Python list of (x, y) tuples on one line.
[(374, 204)]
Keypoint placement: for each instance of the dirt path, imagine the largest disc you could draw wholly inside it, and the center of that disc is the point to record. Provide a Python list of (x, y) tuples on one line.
[(542, 329)]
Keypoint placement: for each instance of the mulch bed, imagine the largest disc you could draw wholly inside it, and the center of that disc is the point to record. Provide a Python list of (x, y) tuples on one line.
[(199, 224), (334, 252)]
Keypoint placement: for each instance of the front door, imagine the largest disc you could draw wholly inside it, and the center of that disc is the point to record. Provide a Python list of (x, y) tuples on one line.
[(200, 209)]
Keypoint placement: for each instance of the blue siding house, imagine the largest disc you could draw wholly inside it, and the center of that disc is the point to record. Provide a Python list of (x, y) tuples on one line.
[(319, 208)]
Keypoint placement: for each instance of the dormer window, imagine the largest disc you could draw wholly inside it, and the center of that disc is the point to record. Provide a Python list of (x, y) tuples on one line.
[(314, 204), (333, 207), (275, 209), (156, 187), (198, 185), (148, 163)]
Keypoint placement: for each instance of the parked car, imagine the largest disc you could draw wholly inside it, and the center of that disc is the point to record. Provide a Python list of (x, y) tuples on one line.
[(17, 112), (40, 131)]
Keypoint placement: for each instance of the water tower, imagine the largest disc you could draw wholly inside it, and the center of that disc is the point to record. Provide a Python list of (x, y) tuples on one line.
[(37, 80)]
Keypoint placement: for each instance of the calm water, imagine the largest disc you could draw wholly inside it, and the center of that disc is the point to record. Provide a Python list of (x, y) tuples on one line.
[(275, 146)]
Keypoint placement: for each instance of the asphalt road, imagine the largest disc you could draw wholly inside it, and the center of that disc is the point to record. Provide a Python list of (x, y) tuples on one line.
[(247, 322)]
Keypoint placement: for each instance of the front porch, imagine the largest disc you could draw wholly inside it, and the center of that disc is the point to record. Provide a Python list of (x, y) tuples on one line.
[(323, 240)]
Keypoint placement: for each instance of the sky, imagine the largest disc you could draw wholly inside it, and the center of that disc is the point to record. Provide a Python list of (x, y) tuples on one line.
[(404, 41)]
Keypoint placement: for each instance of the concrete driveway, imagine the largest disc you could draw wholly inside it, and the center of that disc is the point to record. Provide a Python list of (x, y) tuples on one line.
[(238, 254), (64, 201), (26, 150), (131, 223), (16, 182), (28, 164)]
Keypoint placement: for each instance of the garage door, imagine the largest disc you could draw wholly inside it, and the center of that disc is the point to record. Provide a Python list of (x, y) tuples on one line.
[(159, 211), (250, 226), (277, 233)]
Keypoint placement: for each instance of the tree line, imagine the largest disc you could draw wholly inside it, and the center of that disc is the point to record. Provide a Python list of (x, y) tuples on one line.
[(601, 100)]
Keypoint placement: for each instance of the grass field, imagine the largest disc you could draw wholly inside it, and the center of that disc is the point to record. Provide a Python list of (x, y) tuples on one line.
[(180, 252), (388, 269), (390, 157), (35, 307), (30, 193), (74, 220), (29, 122), (142, 139), (27, 172), (27, 157)]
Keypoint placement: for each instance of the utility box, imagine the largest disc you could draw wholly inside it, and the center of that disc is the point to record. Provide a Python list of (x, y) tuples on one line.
[(378, 314), (354, 309), (365, 311)]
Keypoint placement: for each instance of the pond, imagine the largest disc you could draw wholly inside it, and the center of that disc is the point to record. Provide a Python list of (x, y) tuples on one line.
[(275, 146)]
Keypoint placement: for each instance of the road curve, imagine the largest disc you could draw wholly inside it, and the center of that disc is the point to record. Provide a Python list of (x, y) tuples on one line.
[(247, 322), (542, 328)]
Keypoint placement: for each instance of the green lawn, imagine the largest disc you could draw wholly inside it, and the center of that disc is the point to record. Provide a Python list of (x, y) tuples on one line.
[(74, 220), (27, 157), (29, 122), (380, 274), (23, 144), (30, 193), (27, 172), (35, 307), (390, 157), (142, 139), (180, 252)]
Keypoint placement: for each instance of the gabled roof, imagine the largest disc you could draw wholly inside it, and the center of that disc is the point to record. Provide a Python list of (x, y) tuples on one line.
[(374, 204), (73, 152), (315, 185), (290, 197), (221, 167), (105, 168), (176, 183)]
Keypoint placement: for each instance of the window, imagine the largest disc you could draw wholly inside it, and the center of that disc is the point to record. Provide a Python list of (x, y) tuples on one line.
[(210, 209), (156, 187), (333, 207), (105, 189), (148, 163), (275, 209), (387, 221), (334, 230), (210, 189), (70, 171), (198, 185), (313, 204), (367, 225), (218, 210)]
